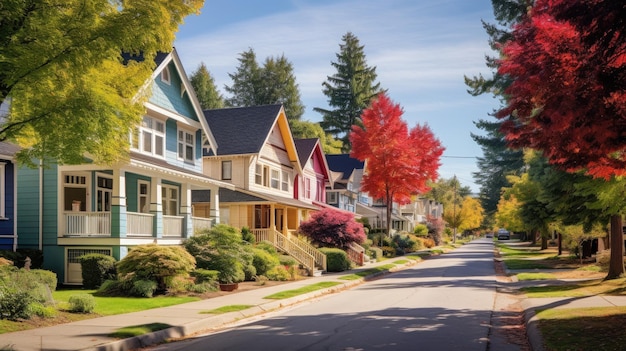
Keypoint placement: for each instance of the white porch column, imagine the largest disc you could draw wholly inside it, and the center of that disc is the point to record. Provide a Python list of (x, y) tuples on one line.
[(214, 210), (156, 207), (118, 204), (185, 209)]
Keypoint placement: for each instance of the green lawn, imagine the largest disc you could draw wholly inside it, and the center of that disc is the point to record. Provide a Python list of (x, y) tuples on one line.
[(306, 289)]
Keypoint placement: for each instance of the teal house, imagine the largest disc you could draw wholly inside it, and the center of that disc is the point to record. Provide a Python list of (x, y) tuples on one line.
[(71, 210)]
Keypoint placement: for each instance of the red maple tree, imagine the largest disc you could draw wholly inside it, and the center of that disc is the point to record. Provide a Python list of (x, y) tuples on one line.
[(567, 98), (398, 162)]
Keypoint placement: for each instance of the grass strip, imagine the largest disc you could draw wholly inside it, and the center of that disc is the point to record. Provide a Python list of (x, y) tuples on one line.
[(535, 276), (615, 287), (227, 309), (365, 273), (136, 330), (596, 328), (303, 290)]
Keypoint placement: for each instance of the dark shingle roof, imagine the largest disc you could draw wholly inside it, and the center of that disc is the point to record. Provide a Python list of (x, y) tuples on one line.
[(305, 149), (241, 130), (344, 163), (8, 149)]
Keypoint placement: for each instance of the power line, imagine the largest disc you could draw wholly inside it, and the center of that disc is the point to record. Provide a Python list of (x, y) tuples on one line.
[(460, 156)]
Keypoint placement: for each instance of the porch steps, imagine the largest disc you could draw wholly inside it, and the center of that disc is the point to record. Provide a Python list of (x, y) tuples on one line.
[(307, 255)]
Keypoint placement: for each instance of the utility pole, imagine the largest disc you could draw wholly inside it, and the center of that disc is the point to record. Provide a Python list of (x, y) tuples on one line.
[(454, 213)]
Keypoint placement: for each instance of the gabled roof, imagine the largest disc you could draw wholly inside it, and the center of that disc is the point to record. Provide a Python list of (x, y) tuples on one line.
[(8, 150), (245, 130), (162, 60), (307, 149), (344, 164)]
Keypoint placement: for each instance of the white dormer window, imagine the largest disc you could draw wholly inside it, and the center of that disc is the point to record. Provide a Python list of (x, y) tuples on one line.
[(165, 75), (186, 146), (285, 181), (149, 138)]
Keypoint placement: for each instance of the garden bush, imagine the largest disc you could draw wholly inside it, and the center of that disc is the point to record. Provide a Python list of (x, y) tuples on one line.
[(336, 260), (155, 263), (204, 275), (332, 228), (143, 288), (247, 235), (263, 261), (96, 268), (406, 243), (279, 273), (82, 303), (14, 302)]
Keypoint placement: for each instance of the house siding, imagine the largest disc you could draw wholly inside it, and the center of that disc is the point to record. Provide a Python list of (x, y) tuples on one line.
[(132, 191), (168, 96), (6, 225)]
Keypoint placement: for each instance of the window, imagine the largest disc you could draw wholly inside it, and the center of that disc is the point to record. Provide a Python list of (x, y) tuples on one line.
[(285, 181), (275, 182), (307, 188), (104, 193), (169, 200), (144, 197), (258, 174), (186, 146), (331, 197), (165, 75), (227, 170), (149, 138)]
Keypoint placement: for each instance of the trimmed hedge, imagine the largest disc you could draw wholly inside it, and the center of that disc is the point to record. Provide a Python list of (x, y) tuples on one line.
[(336, 259), (96, 269)]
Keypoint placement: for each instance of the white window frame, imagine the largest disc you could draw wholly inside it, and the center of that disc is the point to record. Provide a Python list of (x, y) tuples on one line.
[(258, 174), (331, 197), (167, 200), (307, 188), (140, 195), (186, 144), (227, 170), (275, 179), (149, 127), (284, 182), (165, 76), (104, 195)]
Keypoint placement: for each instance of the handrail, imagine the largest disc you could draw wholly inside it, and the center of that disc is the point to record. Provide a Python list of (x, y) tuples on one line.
[(356, 253), (298, 249)]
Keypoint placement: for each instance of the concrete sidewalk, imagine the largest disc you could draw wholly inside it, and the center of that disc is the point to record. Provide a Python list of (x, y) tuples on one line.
[(186, 319), (531, 306)]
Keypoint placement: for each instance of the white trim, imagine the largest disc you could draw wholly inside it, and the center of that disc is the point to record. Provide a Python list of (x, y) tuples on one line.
[(3, 190), (166, 76), (169, 114)]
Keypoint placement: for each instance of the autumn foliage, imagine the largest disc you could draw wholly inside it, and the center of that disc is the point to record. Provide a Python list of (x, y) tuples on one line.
[(333, 228), (399, 161), (567, 64)]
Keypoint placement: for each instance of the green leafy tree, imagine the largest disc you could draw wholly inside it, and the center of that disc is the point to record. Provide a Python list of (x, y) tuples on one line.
[(350, 90), (448, 192), (206, 91), (272, 83), (306, 130), (471, 214), (61, 68)]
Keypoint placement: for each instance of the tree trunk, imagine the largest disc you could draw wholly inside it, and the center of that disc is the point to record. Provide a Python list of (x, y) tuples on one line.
[(560, 241), (544, 242), (388, 219), (533, 234), (616, 263)]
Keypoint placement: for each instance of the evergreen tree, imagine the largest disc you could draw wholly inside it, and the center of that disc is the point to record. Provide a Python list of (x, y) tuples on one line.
[(206, 91), (279, 86), (498, 160), (246, 82), (273, 83), (349, 91)]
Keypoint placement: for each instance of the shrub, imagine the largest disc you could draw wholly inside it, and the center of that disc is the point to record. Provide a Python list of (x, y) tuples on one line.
[(247, 235), (249, 272), (204, 275), (336, 260), (14, 302), (42, 311), (332, 228), (388, 251), (435, 229), (267, 246), (143, 288), (287, 260), (112, 288), (406, 243), (45, 277), (82, 303), (375, 252), (278, 273), (427, 242), (220, 248), (263, 261), (155, 263), (420, 230), (96, 268)]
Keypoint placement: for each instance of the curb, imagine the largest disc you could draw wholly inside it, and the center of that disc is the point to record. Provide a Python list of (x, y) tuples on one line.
[(532, 329)]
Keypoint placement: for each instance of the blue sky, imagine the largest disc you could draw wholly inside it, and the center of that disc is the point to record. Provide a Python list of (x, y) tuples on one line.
[(421, 50)]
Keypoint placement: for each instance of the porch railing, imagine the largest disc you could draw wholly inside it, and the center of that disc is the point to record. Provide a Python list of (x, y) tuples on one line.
[(139, 224), (173, 226), (356, 253), (304, 253), (87, 223), (200, 223)]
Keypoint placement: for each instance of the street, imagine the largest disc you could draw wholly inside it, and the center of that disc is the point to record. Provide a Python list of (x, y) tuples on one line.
[(443, 303)]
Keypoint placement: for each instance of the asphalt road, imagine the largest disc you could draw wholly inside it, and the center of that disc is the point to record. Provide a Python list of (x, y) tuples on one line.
[(444, 303)]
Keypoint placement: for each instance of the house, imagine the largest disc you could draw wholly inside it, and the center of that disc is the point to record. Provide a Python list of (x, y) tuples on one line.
[(257, 155), (71, 210), (342, 192), (8, 223), (311, 185)]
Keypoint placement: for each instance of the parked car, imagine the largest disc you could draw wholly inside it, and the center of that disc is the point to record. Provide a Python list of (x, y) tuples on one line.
[(504, 234)]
